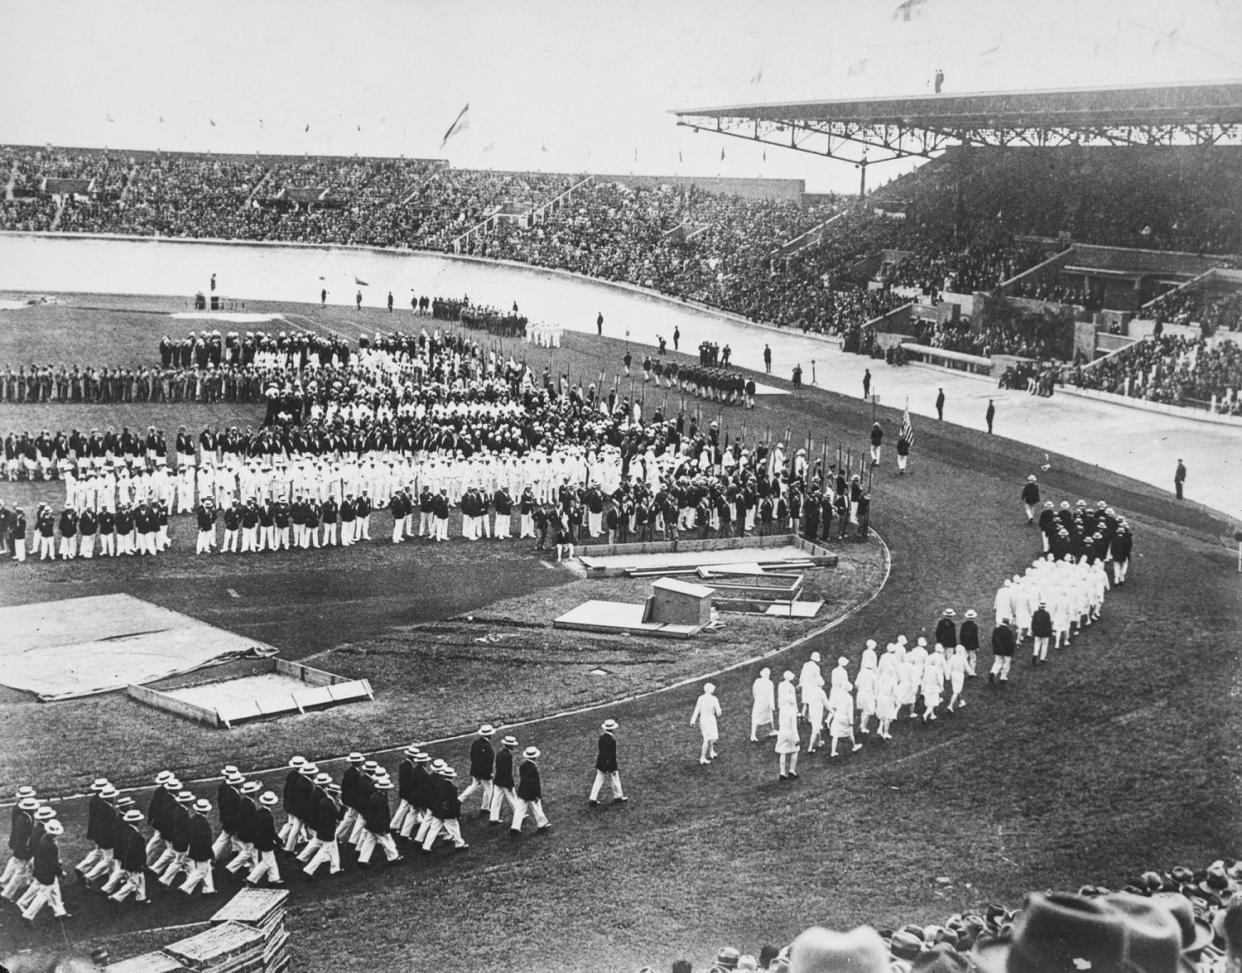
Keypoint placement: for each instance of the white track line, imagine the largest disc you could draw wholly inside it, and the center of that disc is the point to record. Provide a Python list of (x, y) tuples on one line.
[(579, 711)]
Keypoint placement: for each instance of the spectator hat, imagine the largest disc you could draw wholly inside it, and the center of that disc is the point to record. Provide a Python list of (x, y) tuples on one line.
[(531, 753), (1196, 932), (202, 805), (269, 799), (609, 725), (1060, 931), (820, 950), (727, 957), (941, 958), (509, 741)]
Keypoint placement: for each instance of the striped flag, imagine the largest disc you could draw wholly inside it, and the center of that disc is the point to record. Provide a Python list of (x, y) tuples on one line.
[(907, 431), (461, 122)]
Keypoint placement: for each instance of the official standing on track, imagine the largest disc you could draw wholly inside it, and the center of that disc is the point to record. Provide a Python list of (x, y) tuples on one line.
[(606, 765)]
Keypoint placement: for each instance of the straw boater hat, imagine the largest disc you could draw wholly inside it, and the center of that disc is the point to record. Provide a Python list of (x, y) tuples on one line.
[(609, 725), (251, 787), (486, 730), (422, 758), (228, 771), (308, 769), (530, 753), (412, 751), (25, 791), (819, 950), (269, 799), (323, 780), (54, 828), (355, 758), (99, 784), (132, 816), (296, 762), (202, 805), (509, 741)]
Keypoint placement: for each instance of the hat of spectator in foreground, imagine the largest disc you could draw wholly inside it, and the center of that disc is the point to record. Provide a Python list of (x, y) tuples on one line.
[(820, 950), (940, 958), (530, 753), (609, 725), (1196, 932), (1065, 933), (905, 945), (727, 957)]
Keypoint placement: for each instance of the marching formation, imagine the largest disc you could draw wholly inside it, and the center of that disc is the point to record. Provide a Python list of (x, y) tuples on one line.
[(173, 844)]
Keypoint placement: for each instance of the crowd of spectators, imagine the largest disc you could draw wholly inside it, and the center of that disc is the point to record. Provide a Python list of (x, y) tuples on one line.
[(1194, 306), (1171, 370), (1182, 921), (963, 223)]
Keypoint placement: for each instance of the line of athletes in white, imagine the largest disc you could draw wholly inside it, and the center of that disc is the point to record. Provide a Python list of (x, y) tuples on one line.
[(1050, 602), (544, 335), (884, 686), (378, 473)]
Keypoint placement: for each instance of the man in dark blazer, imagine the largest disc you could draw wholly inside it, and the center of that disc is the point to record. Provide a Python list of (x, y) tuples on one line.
[(606, 765), (529, 795), (200, 854), (482, 760), (946, 630), (1003, 645), (1041, 631), (502, 779), (265, 842)]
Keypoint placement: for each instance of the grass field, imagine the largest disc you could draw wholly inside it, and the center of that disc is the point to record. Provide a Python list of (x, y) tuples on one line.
[(1120, 755)]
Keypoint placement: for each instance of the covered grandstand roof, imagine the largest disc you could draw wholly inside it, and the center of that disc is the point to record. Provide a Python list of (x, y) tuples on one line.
[(1194, 113)]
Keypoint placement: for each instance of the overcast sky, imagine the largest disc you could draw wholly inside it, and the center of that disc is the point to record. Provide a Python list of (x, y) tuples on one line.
[(552, 84)]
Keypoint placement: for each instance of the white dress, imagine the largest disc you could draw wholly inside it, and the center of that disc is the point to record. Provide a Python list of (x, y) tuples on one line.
[(763, 702), (706, 710), (865, 687), (787, 732)]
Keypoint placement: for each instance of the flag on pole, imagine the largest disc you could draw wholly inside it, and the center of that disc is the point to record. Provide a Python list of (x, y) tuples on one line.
[(360, 282), (722, 154), (213, 122), (307, 129), (908, 10), (907, 431), (460, 123)]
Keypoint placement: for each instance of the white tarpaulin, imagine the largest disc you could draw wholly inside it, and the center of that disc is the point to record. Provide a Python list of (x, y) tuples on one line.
[(82, 646)]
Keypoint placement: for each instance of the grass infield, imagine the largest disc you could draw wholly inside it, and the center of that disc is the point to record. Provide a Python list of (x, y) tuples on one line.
[(1119, 755)]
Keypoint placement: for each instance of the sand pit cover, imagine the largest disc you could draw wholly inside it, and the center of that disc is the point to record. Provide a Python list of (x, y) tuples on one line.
[(82, 646)]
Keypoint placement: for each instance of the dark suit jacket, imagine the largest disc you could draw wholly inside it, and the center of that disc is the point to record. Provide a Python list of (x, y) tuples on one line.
[(607, 759)]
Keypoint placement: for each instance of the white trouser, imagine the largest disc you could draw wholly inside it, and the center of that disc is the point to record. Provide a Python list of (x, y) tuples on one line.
[(19, 549), (16, 875), (1041, 647), (527, 525), (86, 547), (501, 530), (320, 852), (525, 807), (45, 895), (135, 882), (499, 796), (479, 784), (291, 832), (199, 872), (614, 777), (452, 827), (245, 856), (370, 840), (1000, 667), (346, 827), (224, 842), (264, 867)]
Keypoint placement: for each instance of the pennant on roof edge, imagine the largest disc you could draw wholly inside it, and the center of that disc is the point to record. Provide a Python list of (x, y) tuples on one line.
[(213, 122), (908, 10), (460, 123), (360, 282), (722, 154), (307, 129)]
